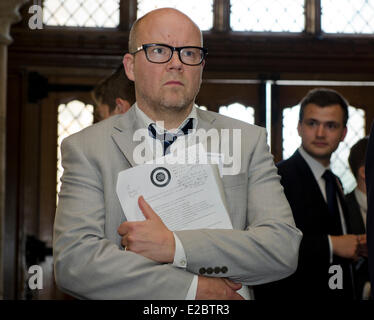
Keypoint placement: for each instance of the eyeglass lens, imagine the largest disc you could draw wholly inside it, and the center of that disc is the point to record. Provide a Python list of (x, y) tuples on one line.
[(160, 54)]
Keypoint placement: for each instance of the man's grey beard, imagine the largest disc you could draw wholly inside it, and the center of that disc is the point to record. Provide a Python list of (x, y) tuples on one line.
[(164, 105), (183, 104)]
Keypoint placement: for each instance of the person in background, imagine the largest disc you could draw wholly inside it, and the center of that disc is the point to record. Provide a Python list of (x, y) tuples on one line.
[(369, 175), (315, 194), (113, 95), (357, 209)]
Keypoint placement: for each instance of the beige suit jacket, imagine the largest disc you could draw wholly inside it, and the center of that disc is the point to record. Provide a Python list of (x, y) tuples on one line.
[(88, 259)]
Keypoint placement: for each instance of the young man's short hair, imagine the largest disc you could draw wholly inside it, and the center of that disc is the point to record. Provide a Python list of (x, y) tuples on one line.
[(357, 155), (323, 97), (117, 85)]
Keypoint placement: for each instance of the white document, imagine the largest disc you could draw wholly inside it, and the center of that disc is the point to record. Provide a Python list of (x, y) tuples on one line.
[(186, 197)]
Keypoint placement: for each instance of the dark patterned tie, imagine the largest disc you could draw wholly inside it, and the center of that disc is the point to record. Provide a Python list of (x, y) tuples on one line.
[(168, 138), (334, 223)]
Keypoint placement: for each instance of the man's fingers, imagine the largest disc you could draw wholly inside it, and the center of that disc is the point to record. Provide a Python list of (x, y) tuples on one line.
[(123, 228), (233, 285), (128, 227), (124, 241), (146, 208)]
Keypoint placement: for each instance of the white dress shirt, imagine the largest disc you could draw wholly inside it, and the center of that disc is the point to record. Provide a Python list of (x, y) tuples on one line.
[(362, 202), (318, 170), (180, 259)]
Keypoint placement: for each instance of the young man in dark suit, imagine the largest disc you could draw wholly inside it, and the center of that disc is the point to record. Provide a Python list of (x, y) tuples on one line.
[(369, 175), (316, 197), (357, 208)]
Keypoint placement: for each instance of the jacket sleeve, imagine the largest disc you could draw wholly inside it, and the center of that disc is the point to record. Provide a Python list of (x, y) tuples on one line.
[(267, 248)]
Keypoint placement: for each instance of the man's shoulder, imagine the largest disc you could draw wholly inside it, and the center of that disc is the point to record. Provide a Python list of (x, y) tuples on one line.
[(221, 121), (295, 171), (290, 163)]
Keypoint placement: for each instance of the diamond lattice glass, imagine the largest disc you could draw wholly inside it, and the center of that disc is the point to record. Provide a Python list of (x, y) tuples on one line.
[(72, 117), (267, 15), (200, 11), (347, 16), (81, 13)]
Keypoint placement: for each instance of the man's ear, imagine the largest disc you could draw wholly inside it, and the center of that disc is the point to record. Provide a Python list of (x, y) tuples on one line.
[(344, 133), (122, 106), (128, 64), (299, 128), (361, 172)]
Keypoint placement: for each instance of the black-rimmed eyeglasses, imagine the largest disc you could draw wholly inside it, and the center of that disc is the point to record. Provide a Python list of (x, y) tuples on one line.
[(162, 53)]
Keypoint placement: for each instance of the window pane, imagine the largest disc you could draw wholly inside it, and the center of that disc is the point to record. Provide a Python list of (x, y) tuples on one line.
[(238, 111), (347, 16), (87, 13), (72, 117), (291, 139), (267, 15), (339, 159), (200, 11)]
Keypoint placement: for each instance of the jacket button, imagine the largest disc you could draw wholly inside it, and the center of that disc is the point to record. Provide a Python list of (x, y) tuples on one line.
[(224, 269), (217, 270), (209, 271), (202, 270)]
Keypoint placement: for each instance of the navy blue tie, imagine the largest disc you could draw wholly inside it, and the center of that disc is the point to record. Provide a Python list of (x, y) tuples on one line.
[(334, 223), (168, 138)]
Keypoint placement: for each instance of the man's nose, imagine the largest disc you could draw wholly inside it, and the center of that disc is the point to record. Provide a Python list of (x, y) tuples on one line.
[(320, 130), (175, 62)]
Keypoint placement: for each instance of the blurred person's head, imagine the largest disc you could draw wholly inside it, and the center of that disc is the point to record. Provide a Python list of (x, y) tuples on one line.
[(113, 95), (356, 161)]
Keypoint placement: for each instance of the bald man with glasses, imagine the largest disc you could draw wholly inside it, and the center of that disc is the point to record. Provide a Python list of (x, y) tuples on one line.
[(165, 60)]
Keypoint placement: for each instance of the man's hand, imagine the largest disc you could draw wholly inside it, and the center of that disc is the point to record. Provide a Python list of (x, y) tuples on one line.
[(362, 245), (345, 246), (150, 238), (217, 289)]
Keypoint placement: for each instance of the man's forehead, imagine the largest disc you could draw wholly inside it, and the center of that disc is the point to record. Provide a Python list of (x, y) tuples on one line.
[(169, 27), (327, 113)]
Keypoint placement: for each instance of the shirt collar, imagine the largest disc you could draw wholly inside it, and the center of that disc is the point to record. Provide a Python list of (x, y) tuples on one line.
[(147, 120), (361, 199), (317, 168)]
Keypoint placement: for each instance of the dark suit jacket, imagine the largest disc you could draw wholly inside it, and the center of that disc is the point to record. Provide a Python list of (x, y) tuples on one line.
[(309, 208), (369, 172), (360, 268)]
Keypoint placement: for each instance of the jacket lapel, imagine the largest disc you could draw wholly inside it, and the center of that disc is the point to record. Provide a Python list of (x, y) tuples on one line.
[(310, 181), (123, 135)]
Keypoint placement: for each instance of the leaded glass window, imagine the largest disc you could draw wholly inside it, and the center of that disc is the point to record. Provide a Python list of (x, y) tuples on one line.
[(339, 159), (200, 11), (239, 111), (347, 16), (72, 117), (267, 15), (81, 13)]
